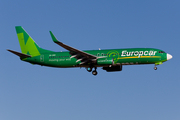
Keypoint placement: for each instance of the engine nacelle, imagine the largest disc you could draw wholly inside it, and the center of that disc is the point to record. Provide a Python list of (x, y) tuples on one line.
[(105, 61), (113, 68)]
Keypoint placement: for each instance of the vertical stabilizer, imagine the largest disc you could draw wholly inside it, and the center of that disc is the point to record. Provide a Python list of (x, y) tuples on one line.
[(27, 44)]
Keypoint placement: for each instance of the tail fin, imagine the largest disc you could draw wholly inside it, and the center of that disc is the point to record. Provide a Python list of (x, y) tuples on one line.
[(27, 44)]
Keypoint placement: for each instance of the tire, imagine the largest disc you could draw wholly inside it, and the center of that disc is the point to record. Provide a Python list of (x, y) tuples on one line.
[(89, 69), (94, 72), (155, 68)]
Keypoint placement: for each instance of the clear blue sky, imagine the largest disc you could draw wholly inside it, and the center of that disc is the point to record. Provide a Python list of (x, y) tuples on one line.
[(32, 92)]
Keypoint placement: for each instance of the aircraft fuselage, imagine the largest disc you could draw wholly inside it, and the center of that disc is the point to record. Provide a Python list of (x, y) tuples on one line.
[(131, 56), (110, 59)]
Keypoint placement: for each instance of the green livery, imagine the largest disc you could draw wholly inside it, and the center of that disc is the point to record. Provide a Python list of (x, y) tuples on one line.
[(109, 59)]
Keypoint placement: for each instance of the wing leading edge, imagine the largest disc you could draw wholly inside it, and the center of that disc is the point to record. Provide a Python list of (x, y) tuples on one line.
[(78, 54)]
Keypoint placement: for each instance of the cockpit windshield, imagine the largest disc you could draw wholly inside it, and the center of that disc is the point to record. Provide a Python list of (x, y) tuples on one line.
[(161, 52)]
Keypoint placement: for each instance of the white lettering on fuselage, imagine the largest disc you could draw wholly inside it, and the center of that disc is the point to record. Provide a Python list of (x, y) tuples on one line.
[(138, 53), (52, 60)]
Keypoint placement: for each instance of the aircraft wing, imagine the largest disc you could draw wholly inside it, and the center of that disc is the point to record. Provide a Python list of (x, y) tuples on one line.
[(78, 54)]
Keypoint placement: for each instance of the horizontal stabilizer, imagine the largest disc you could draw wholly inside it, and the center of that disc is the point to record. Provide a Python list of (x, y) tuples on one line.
[(19, 54)]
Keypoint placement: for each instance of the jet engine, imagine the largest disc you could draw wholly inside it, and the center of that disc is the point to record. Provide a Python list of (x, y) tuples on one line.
[(105, 61), (113, 68)]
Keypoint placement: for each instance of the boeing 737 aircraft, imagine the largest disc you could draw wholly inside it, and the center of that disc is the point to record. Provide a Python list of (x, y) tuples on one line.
[(109, 59)]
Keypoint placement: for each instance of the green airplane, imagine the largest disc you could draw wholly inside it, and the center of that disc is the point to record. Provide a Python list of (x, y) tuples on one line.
[(110, 59)]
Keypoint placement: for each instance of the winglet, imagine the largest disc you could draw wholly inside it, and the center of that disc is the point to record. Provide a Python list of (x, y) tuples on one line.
[(53, 37), (71, 49)]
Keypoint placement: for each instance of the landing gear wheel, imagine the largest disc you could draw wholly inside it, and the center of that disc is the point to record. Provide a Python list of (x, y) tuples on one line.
[(155, 68), (94, 72), (89, 69)]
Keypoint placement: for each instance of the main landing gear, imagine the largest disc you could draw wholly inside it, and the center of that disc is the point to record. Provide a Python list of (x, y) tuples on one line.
[(89, 69), (94, 72)]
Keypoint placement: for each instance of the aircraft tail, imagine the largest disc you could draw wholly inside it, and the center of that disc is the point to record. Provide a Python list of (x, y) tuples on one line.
[(27, 44)]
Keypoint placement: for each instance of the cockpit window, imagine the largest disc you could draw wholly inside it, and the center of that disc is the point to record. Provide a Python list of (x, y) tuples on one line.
[(161, 52)]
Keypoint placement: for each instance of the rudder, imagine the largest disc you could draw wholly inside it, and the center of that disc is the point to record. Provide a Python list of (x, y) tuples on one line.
[(27, 44)]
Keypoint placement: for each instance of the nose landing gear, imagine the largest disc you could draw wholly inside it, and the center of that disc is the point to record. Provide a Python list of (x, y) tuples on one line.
[(158, 63), (155, 68)]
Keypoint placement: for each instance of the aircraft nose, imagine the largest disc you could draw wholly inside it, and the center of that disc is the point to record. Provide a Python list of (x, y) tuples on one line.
[(169, 56)]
